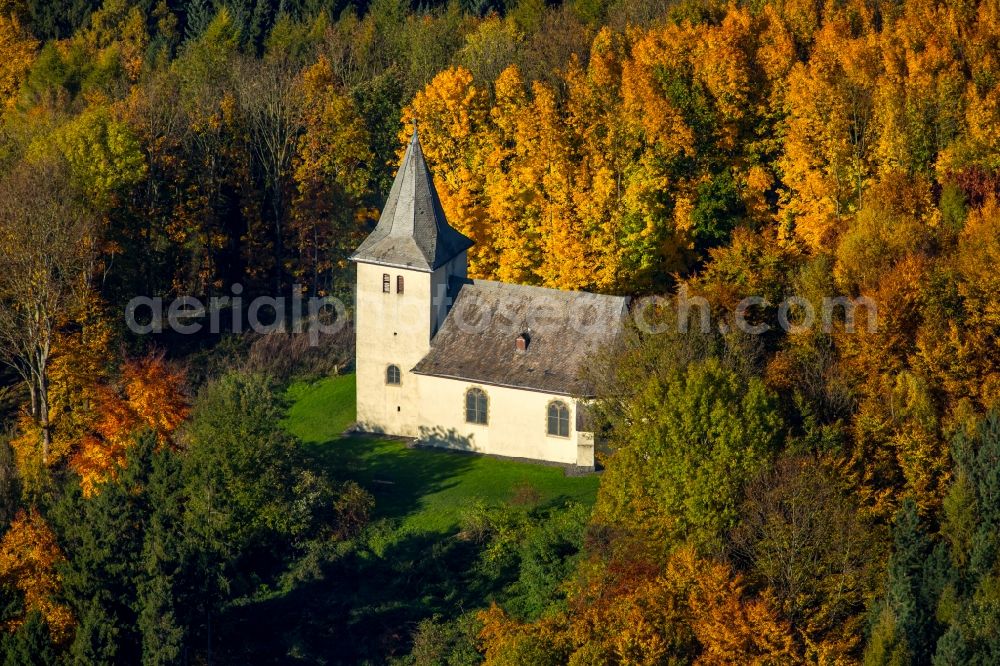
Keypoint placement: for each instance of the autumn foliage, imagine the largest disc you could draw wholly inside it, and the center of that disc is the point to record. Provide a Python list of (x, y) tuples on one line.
[(148, 397), (633, 612), (29, 561), (816, 496)]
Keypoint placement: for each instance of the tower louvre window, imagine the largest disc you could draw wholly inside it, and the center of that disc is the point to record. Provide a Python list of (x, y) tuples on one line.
[(386, 283), (399, 284)]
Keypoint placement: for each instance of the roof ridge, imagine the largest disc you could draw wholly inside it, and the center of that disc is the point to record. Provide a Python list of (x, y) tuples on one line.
[(535, 287)]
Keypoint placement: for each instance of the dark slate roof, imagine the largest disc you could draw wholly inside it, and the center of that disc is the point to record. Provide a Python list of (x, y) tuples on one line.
[(478, 340), (412, 231)]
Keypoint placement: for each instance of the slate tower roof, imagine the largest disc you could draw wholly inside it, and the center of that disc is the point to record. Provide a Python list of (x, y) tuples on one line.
[(412, 231)]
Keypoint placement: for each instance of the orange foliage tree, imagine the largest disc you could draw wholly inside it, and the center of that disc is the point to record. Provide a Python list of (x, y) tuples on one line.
[(147, 397), (631, 611)]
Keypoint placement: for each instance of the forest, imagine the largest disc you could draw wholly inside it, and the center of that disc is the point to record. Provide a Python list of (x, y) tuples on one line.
[(818, 496)]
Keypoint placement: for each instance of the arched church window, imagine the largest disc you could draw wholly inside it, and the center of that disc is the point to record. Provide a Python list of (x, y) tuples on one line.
[(476, 407), (558, 419), (392, 375)]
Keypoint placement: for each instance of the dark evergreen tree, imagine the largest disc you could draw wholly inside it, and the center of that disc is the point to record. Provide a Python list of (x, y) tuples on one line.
[(970, 601), (30, 645), (103, 536), (260, 23), (952, 649), (904, 628), (166, 591), (58, 19), (162, 634), (198, 14), (977, 463), (717, 211), (907, 594), (96, 638), (548, 556), (244, 501), (10, 484)]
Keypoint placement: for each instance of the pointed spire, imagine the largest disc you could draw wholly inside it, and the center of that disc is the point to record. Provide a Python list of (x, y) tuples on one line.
[(412, 231)]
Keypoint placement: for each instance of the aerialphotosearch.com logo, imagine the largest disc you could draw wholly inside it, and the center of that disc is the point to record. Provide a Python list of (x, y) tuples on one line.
[(321, 315), (326, 315), (795, 314), (558, 315)]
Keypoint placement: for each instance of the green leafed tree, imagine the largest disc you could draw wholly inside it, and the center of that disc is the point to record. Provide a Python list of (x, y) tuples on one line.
[(687, 443)]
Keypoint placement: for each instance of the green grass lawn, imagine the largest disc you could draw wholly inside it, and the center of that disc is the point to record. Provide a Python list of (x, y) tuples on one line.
[(359, 601), (426, 490)]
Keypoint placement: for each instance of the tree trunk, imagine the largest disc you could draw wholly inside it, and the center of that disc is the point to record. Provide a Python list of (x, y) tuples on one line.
[(279, 241), (33, 391), (43, 415)]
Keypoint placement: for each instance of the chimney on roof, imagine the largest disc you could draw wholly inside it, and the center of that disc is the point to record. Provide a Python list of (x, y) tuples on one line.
[(521, 344)]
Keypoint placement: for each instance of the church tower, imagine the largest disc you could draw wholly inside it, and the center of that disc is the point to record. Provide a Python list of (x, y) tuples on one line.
[(400, 299)]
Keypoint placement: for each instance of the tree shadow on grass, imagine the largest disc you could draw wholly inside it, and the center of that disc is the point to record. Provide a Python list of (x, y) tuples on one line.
[(367, 598), (365, 606), (394, 472)]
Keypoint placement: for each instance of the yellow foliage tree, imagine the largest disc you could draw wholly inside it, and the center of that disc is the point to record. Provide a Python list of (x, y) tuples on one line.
[(17, 54), (79, 367), (827, 162), (512, 185), (29, 561), (631, 611), (451, 112), (732, 628), (118, 31), (330, 176)]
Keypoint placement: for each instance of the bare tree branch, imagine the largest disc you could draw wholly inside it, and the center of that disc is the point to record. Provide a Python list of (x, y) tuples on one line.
[(46, 257)]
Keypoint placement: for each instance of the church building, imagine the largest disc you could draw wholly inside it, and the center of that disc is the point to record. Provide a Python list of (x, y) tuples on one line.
[(469, 364)]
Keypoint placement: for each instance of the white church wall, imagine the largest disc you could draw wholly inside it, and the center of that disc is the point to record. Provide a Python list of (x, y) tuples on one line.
[(517, 422), (393, 329)]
